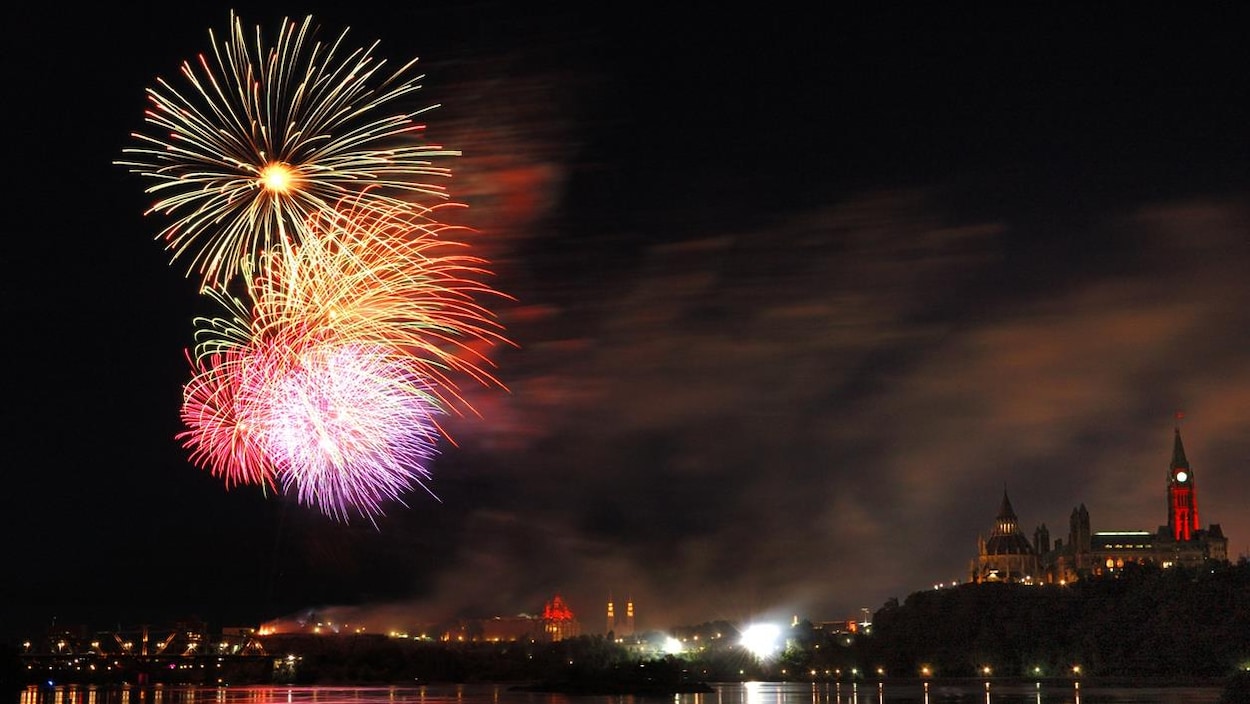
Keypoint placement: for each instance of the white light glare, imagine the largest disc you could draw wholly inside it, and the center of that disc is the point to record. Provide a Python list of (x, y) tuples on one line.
[(761, 639), (672, 646)]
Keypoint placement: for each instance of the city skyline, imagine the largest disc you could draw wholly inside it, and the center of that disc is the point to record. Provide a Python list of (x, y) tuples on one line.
[(793, 298)]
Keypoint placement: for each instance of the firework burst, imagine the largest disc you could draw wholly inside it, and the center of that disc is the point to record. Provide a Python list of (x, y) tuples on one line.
[(258, 138), (332, 382), (384, 276), (217, 415), (288, 175), (344, 426)]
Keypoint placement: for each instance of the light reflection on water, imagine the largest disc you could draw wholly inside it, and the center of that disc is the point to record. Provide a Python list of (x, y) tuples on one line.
[(900, 692)]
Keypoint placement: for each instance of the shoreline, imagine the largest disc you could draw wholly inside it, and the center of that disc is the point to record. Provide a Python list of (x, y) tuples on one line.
[(614, 686)]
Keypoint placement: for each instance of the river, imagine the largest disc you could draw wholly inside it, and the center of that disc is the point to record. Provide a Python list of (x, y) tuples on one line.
[(866, 692)]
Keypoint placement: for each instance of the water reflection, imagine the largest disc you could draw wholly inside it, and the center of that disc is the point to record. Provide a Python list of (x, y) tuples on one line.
[(878, 692)]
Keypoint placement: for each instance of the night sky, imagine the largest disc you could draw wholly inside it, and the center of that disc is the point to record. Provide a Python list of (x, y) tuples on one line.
[(795, 298)]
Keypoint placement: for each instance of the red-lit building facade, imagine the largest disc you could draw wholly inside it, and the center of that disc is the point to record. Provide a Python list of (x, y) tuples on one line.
[(1009, 556), (559, 622)]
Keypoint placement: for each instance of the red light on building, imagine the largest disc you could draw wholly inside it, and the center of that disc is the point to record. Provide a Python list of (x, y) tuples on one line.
[(1182, 494), (558, 619)]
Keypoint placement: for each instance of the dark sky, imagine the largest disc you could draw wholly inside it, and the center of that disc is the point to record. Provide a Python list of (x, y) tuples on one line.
[(796, 297)]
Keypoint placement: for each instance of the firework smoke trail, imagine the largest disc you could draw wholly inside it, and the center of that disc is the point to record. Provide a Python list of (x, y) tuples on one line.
[(359, 313), (259, 139)]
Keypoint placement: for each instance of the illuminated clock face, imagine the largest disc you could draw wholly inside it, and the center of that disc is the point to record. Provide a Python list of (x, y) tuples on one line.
[(1182, 477)]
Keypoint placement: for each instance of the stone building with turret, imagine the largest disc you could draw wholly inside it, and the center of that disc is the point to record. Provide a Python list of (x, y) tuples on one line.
[(1009, 556)]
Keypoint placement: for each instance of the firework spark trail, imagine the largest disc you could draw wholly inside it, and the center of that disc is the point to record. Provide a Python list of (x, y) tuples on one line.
[(342, 425), (373, 275), (340, 429), (260, 139), (359, 311), (383, 276), (217, 435), (351, 427)]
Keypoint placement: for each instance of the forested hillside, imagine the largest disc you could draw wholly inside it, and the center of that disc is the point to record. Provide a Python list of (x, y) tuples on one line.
[(1144, 621)]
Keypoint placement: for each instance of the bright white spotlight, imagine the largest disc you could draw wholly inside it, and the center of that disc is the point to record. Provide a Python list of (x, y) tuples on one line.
[(761, 639), (672, 646)]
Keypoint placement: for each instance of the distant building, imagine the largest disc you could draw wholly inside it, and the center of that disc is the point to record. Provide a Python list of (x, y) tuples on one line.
[(559, 622), (1009, 556), (620, 629)]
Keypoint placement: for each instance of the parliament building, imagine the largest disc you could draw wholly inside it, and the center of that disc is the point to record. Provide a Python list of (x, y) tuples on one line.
[(1009, 556)]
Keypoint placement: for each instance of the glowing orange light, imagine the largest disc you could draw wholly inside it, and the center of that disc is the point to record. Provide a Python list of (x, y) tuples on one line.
[(277, 178)]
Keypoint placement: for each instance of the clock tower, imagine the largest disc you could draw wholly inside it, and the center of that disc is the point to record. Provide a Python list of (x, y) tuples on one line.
[(1182, 495)]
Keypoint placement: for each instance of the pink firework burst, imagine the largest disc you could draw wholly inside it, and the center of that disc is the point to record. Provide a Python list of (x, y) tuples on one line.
[(349, 426), (343, 425)]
